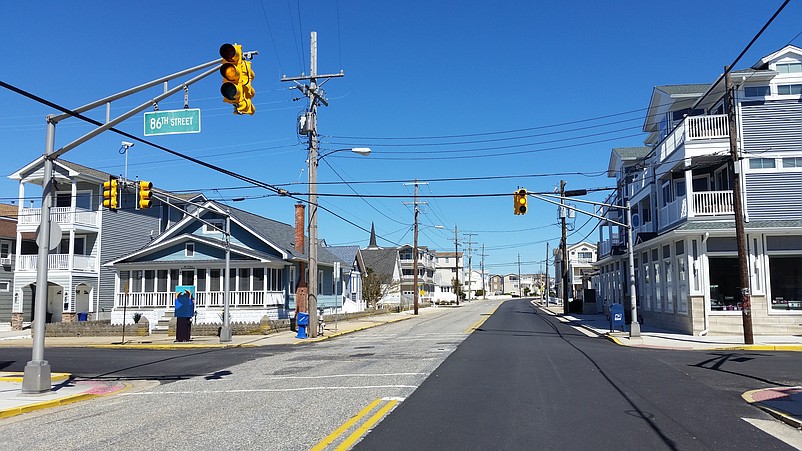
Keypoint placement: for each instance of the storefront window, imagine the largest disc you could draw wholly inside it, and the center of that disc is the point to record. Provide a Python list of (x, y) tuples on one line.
[(724, 274), (786, 282)]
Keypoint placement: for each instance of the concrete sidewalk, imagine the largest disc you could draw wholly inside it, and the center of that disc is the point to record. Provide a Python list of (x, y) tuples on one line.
[(784, 403), (65, 390)]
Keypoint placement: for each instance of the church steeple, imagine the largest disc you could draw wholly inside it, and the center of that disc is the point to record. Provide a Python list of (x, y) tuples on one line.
[(372, 244)]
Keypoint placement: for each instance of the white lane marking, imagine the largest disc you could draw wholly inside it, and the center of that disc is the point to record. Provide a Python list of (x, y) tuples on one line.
[(778, 430), (265, 390), (344, 375), (562, 319), (585, 331), (570, 318)]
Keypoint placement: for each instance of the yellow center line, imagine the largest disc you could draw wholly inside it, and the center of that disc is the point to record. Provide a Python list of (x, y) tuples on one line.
[(347, 425), (357, 434), (480, 321)]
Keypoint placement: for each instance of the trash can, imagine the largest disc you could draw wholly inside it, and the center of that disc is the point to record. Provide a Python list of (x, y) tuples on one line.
[(303, 322), (616, 316), (82, 316)]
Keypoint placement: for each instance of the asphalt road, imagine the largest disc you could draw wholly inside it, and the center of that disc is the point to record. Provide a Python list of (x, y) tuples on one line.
[(522, 380), (526, 381), (284, 399)]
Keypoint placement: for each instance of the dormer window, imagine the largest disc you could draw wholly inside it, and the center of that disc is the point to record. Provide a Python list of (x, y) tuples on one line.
[(789, 68), (189, 250), (757, 91), (213, 226)]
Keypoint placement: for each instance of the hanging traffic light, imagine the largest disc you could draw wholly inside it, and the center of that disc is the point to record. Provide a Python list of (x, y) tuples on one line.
[(143, 189), (520, 201), (237, 76), (110, 193)]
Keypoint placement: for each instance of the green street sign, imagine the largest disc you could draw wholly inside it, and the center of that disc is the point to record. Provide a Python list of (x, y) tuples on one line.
[(172, 122)]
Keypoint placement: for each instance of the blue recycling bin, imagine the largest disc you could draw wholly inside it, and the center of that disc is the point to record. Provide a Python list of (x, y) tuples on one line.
[(616, 317), (303, 323), (82, 316)]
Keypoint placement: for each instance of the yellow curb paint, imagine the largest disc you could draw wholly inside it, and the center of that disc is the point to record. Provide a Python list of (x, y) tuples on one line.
[(17, 377), (614, 340), (362, 430), (56, 402), (329, 439)]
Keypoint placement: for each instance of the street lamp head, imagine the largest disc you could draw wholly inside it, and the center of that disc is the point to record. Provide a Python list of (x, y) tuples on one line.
[(364, 151)]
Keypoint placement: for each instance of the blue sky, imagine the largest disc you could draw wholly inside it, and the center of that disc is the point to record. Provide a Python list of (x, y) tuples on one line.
[(499, 94)]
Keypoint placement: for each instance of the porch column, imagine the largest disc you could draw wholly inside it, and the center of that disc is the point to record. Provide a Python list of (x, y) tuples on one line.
[(689, 194)]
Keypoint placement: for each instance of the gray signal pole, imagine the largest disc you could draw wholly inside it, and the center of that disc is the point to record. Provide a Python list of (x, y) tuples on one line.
[(315, 94), (470, 265), (36, 375)]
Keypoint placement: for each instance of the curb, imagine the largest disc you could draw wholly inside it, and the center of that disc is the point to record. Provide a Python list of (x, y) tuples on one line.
[(780, 415), (18, 376), (14, 411), (337, 334)]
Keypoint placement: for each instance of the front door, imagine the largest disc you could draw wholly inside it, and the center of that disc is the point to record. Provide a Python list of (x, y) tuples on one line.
[(187, 277)]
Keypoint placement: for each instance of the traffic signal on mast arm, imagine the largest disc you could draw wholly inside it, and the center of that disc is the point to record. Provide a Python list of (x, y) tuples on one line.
[(520, 201), (110, 193), (237, 76), (143, 189)]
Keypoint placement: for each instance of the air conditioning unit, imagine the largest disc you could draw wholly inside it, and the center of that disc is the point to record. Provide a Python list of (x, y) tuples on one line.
[(5, 261)]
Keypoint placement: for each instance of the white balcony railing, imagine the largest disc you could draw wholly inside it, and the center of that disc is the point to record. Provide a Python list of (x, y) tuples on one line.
[(62, 215), (202, 299), (673, 212), (59, 262), (710, 203), (694, 128)]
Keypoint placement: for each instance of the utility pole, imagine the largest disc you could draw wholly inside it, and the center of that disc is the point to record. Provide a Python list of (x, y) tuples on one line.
[(470, 264), (564, 266), (548, 294), (740, 232), (519, 275), (456, 262), (415, 248), (483, 255), (315, 94)]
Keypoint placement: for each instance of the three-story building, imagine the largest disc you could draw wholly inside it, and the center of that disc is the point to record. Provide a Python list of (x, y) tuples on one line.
[(680, 186)]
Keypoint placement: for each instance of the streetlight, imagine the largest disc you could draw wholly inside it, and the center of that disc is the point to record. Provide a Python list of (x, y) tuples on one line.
[(314, 159)]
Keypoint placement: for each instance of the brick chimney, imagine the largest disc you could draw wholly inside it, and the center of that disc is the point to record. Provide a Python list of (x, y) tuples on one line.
[(301, 288)]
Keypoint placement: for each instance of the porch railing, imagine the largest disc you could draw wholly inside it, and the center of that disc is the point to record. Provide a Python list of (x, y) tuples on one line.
[(710, 203), (60, 262), (62, 215), (213, 299), (694, 128)]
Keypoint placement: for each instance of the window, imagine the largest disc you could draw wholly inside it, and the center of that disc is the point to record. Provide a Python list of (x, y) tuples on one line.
[(244, 282), (173, 280), (724, 275), (584, 257), (201, 284), (258, 279), (150, 276), (786, 282), (5, 286), (5, 249), (189, 250), (292, 279), (214, 280), (214, 226), (792, 162), (80, 246), (788, 68), (668, 196), (757, 91), (785, 90), (161, 284), (762, 163)]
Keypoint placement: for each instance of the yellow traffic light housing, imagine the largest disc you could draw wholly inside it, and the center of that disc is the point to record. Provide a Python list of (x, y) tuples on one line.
[(237, 76), (143, 189), (520, 201), (110, 193)]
